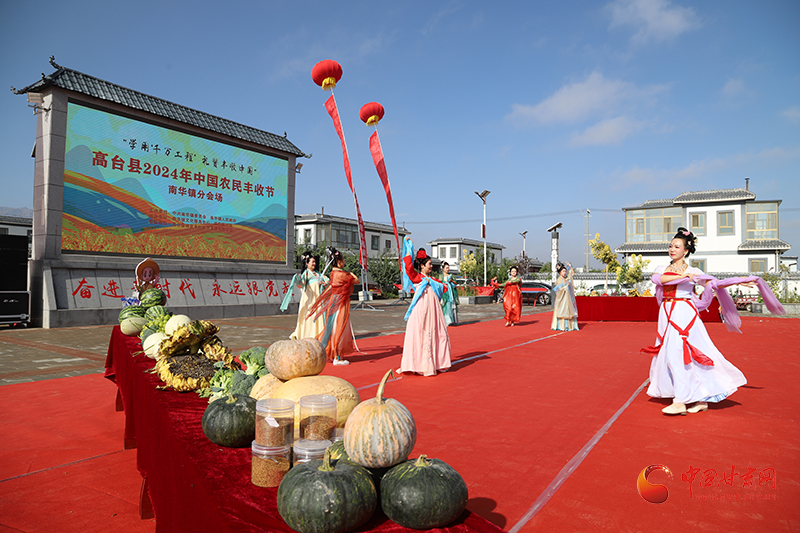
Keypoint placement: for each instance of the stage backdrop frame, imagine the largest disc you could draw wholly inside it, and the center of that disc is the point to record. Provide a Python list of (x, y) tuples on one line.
[(72, 287)]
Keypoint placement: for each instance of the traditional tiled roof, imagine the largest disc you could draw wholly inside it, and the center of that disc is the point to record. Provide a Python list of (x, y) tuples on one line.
[(716, 195), (468, 242), (17, 221), (764, 244), (639, 247), (317, 218), (79, 82)]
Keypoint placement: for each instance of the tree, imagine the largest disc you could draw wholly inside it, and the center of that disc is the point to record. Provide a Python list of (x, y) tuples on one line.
[(469, 266), (603, 253), (525, 266), (546, 268), (385, 271), (630, 273)]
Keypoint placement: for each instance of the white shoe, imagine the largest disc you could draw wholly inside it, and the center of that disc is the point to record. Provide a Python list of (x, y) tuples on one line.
[(698, 407), (338, 362)]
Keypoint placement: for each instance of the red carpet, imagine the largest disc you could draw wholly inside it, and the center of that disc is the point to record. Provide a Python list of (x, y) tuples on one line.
[(521, 405)]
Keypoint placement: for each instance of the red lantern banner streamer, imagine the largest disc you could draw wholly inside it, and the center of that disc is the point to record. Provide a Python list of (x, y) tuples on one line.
[(333, 111), (380, 166)]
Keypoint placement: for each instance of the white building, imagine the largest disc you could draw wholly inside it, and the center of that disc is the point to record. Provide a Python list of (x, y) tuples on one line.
[(455, 249), (17, 226), (342, 233), (736, 232)]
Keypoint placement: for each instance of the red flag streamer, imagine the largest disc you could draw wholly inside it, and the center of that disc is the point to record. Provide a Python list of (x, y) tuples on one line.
[(333, 111), (380, 166)]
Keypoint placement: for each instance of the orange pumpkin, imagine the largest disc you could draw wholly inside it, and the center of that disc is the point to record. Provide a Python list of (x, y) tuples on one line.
[(380, 432), (296, 358)]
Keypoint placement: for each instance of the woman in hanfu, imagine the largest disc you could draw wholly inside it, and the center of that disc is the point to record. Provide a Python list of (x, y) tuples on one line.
[(565, 310), (512, 297), (450, 296), (426, 346), (311, 283), (686, 365), (333, 305)]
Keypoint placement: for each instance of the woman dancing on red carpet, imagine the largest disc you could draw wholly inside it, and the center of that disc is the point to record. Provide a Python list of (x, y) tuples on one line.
[(512, 298)]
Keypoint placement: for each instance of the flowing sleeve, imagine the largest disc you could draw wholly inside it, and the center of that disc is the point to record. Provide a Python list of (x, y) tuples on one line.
[(290, 292)]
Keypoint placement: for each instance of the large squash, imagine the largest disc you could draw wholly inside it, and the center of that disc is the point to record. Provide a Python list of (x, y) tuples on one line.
[(289, 359), (231, 421), (265, 387), (380, 432), (317, 497), (423, 494), (346, 395)]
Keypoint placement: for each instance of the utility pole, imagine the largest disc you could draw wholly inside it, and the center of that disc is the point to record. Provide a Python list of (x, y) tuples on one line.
[(587, 215)]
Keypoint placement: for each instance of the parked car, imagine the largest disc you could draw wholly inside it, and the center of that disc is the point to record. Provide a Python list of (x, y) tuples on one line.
[(374, 287), (537, 293)]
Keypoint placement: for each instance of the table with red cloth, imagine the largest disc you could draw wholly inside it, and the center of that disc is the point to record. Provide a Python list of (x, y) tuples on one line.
[(630, 309), (193, 484)]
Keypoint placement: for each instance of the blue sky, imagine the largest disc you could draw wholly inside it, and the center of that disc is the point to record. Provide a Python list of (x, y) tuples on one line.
[(555, 107)]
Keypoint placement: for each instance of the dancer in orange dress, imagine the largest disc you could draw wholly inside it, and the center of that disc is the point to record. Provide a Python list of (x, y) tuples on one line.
[(512, 298), (334, 305)]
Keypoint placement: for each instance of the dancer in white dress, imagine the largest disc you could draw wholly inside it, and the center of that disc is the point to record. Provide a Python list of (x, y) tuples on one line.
[(686, 366)]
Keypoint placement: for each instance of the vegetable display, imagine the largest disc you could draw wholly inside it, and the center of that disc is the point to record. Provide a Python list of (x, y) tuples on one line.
[(380, 432), (288, 359), (423, 493), (318, 497)]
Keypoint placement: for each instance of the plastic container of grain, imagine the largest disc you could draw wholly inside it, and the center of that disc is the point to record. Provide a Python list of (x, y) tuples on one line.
[(274, 422)]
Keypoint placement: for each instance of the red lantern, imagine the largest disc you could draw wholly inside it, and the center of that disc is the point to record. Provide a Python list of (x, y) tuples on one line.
[(371, 113), (326, 73)]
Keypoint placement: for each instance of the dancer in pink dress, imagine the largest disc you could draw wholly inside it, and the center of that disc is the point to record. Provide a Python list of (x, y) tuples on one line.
[(426, 347)]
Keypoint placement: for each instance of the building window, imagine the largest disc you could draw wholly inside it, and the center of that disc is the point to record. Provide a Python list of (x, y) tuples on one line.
[(698, 263), (344, 236), (725, 223), (762, 221), (758, 265), (375, 242), (388, 244), (453, 252), (322, 235), (697, 221), (652, 225), (307, 235)]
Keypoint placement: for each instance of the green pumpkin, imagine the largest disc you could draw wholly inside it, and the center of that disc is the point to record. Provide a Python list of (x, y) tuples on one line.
[(318, 497), (423, 494), (337, 451), (231, 421)]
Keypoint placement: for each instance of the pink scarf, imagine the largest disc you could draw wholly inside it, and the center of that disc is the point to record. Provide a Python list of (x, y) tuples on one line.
[(731, 315)]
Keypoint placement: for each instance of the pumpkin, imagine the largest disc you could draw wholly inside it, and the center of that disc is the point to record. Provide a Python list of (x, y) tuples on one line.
[(423, 494), (380, 432), (152, 344), (265, 387), (231, 421), (337, 451), (289, 359), (346, 395), (318, 497)]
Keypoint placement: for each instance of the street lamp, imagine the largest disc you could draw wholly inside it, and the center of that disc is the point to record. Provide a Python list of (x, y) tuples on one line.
[(524, 236), (482, 196)]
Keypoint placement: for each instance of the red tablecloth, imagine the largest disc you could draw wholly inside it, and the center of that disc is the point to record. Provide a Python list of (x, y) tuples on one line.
[(195, 485), (630, 309)]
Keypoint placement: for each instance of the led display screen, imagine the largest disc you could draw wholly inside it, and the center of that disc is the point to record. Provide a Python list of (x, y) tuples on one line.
[(131, 187)]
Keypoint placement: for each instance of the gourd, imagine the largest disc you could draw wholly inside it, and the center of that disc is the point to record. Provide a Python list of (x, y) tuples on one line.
[(231, 421), (318, 497), (380, 432), (346, 395), (423, 493), (337, 451), (152, 344), (175, 322), (265, 387), (132, 326), (289, 359)]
